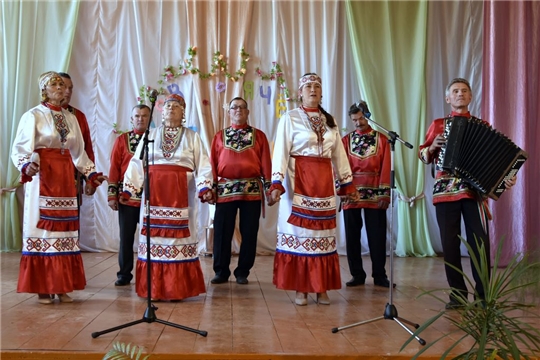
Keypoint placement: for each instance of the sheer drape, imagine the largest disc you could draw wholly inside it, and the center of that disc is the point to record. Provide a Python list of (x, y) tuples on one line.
[(226, 30), (149, 36), (511, 102), (401, 58), (391, 71), (130, 43), (454, 49)]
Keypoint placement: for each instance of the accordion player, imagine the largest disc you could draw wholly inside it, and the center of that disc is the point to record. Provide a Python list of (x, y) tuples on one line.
[(479, 154)]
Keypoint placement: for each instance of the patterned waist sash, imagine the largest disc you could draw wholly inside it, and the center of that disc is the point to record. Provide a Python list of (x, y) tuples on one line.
[(57, 191), (314, 200), (241, 189), (169, 213)]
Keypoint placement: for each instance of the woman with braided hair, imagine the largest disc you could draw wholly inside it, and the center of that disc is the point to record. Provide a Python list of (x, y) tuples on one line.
[(307, 152)]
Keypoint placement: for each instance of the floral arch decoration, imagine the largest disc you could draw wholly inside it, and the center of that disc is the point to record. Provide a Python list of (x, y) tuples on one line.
[(219, 67)]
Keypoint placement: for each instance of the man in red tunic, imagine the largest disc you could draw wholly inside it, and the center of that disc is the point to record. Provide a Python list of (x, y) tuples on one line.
[(85, 130), (368, 153), (128, 212), (241, 165), (455, 198)]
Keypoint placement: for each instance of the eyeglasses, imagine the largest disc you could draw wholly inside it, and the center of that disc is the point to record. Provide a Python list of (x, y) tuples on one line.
[(236, 107)]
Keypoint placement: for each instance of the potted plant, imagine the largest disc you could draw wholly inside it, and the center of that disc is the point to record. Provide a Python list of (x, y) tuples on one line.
[(121, 351), (496, 323)]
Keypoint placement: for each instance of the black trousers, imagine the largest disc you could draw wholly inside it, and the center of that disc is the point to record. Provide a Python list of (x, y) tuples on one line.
[(128, 217), (449, 220), (224, 223), (376, 234)]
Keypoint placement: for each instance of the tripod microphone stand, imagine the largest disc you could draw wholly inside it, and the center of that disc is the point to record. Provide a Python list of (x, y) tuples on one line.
[(150, 313), (390, 311)]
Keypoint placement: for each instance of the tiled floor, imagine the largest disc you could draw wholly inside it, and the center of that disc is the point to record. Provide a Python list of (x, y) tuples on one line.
[(254, 321)]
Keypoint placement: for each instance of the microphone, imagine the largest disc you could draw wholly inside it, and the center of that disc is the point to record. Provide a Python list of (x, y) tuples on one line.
[(153, 95), (362, 106)]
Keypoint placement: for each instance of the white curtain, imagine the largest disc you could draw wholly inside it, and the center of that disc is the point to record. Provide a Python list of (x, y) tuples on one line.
[(130, 43), (118, 46)]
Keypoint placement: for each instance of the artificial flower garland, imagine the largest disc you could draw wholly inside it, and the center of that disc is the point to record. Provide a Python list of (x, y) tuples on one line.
[(219, 66), (276, 74)]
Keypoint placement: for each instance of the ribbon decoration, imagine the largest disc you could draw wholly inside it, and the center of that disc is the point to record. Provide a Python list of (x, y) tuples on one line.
[(410, 200)]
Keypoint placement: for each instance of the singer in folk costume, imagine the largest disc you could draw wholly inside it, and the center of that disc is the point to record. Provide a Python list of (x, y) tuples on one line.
[(241, 164), (128, 214), (47, 146), (368, 152), (455, 198), (307, 148), (179, 168), (85, 129)]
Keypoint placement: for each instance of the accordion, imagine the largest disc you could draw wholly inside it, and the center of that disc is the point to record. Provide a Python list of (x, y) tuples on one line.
[(479, 154)]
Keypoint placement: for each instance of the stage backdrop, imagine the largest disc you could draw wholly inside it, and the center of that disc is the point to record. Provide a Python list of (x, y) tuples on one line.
[(398, 56)]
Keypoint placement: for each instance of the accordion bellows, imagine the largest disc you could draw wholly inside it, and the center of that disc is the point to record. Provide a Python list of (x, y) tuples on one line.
[(479, 154)]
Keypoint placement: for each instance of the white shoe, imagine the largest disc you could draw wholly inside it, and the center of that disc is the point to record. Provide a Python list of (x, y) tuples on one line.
[(301, 298), (44, 299), (64, 298), (323, 299)]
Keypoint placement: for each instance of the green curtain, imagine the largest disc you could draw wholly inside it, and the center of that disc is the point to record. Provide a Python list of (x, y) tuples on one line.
[(390, 67), (36, 36)]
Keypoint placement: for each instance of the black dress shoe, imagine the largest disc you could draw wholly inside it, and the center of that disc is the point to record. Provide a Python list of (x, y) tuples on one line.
[(242, 280), (121, 282), (219, 280), (383, 282), (355, 282)]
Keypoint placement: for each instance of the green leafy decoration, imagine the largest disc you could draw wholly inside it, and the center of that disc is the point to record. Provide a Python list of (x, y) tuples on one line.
[(118, 131), (277, 74), (218, 66), (121, 351), (499, 324), (144, 93)]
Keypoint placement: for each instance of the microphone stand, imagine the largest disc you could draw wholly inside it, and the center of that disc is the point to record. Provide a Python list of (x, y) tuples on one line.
[(150, 313), (390, 311)]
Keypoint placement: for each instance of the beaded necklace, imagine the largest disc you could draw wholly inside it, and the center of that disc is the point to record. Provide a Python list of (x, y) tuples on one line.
[(170, 140), (317, 125), (60, 123)]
